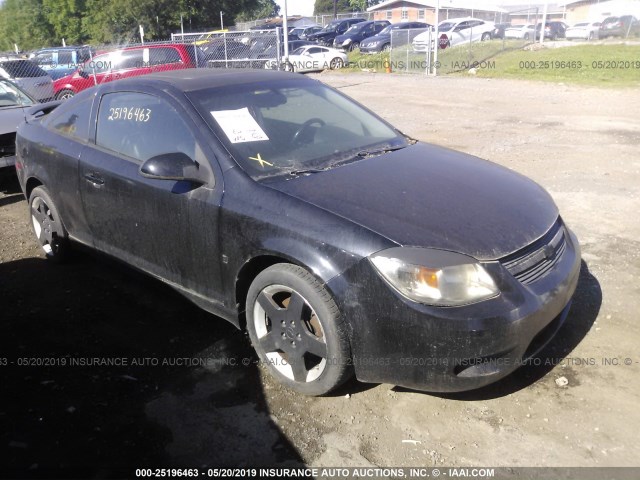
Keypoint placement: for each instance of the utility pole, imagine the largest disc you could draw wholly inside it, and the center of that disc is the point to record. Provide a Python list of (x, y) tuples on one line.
[(221, 22), (335, 8)]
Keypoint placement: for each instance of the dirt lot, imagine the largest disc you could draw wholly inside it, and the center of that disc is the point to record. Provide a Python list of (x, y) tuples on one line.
[(579, 143)]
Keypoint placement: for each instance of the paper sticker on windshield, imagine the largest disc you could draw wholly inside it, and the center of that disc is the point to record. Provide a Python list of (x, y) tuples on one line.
[(239, 126)]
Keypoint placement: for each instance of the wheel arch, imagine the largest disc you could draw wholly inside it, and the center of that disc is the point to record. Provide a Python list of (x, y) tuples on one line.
[(31, 183)]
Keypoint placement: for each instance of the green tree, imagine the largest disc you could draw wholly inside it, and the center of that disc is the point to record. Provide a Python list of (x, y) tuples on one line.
[(326, 6), (65, 17), (24, 23), (264, 9)]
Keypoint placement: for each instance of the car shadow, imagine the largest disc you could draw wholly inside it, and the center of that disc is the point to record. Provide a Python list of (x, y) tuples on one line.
[(105, 370), (584, 312), (9, 182)]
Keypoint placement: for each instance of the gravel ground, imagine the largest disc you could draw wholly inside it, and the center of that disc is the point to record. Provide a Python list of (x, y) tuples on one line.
[(577, 408)]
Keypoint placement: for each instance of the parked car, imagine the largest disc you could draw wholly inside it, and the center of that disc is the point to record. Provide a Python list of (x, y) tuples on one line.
[(457, 31), (332, 30), (312, 58), (498, 30), (129, 62), (350, 40), (552, 30), (218, 52), (28, 76), (624, 26), (59, 62), (251, 194), (583, 31), (309, 31), (271, 51), (382, 41), (523, 32), (14, 103)]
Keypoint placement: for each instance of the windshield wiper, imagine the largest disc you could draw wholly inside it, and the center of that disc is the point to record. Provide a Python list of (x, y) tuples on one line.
[(304, 171), (379, 151)]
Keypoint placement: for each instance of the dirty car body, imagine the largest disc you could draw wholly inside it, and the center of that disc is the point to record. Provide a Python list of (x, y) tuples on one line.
[(443, 271), (14, 103)]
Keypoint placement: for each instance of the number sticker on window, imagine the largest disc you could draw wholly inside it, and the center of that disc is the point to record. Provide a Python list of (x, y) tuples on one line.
[(134, 114)]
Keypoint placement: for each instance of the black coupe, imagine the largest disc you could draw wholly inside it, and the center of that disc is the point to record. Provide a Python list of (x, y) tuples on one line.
[(281, 205)]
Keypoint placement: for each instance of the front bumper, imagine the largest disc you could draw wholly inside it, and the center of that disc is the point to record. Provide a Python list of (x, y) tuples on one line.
[(397, 341), (377, 48)]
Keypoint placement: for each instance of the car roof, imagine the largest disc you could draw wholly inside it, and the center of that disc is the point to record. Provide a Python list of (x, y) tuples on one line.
[(193, 79)]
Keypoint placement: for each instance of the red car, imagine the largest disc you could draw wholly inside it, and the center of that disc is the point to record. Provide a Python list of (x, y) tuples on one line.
[(128, 62)]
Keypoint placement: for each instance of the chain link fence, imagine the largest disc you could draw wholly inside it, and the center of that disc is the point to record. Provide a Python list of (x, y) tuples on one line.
[(61, 72)]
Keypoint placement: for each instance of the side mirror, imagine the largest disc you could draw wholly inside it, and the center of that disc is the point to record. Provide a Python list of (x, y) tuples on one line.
[(83, 74), (172, 166)]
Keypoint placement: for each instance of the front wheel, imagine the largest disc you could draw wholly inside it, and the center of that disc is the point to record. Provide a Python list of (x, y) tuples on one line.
[(355, 46), (297, 330), (47, 225), (64, 94), (526, 36), (485, 37)]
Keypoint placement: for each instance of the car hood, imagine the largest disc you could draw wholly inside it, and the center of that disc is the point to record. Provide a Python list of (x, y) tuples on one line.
[(429, 196), (10, 118), (378, 38)]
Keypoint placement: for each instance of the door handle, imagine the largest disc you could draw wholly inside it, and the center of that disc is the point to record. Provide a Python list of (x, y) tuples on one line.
[(94, 178)]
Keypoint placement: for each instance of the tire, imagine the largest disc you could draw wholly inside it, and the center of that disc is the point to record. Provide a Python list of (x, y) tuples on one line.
[(47, 225), (354, 46), (485, 36), (554, 37), (590, 36), (336, 63), (386, 47), (64, 94), (307, 349), (526, 36), (289, 67)]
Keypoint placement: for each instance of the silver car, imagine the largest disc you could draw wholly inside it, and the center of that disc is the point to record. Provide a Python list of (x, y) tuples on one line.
[(13, 106), (28, 76)]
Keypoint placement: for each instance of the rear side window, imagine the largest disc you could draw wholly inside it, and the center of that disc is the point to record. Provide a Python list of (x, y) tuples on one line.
[(65, 58), (72, 119), (141, 126), (163, 55), (22, 69)]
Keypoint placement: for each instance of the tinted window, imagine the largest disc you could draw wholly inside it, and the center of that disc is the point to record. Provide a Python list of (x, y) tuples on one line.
[(22, 69), (162, 55), (142, 126), (72, 119), (128, 59)]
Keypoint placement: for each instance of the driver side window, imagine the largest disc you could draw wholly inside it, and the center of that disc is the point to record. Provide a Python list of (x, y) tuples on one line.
[(141, 126)]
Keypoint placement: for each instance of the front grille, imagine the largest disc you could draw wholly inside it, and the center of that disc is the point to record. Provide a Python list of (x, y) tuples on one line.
[(535, 261)]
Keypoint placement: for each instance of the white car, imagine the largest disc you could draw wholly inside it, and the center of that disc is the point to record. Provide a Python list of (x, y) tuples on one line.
[(457, 31), (583, 31), (521, 32), (310, 58)]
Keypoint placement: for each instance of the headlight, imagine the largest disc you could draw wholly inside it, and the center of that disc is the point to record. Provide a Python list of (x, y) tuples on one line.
[(346, 42), (434, 277)]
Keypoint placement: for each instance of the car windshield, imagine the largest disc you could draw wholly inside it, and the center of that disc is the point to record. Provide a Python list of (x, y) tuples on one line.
[(446, 26), (331, 27), (581, 24), (12, 96), (298, 51), (284, 127), (355, 27)]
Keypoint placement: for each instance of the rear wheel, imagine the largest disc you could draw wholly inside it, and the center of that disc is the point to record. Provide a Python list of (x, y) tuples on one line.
[(47, 225), (64, 94), (297, 330), (336, 63)]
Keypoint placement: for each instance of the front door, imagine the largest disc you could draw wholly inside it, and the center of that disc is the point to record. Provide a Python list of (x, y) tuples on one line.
[(165, 227)]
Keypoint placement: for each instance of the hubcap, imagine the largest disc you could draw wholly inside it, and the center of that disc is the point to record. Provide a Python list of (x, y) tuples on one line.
[(44, 225), (290, 333)]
